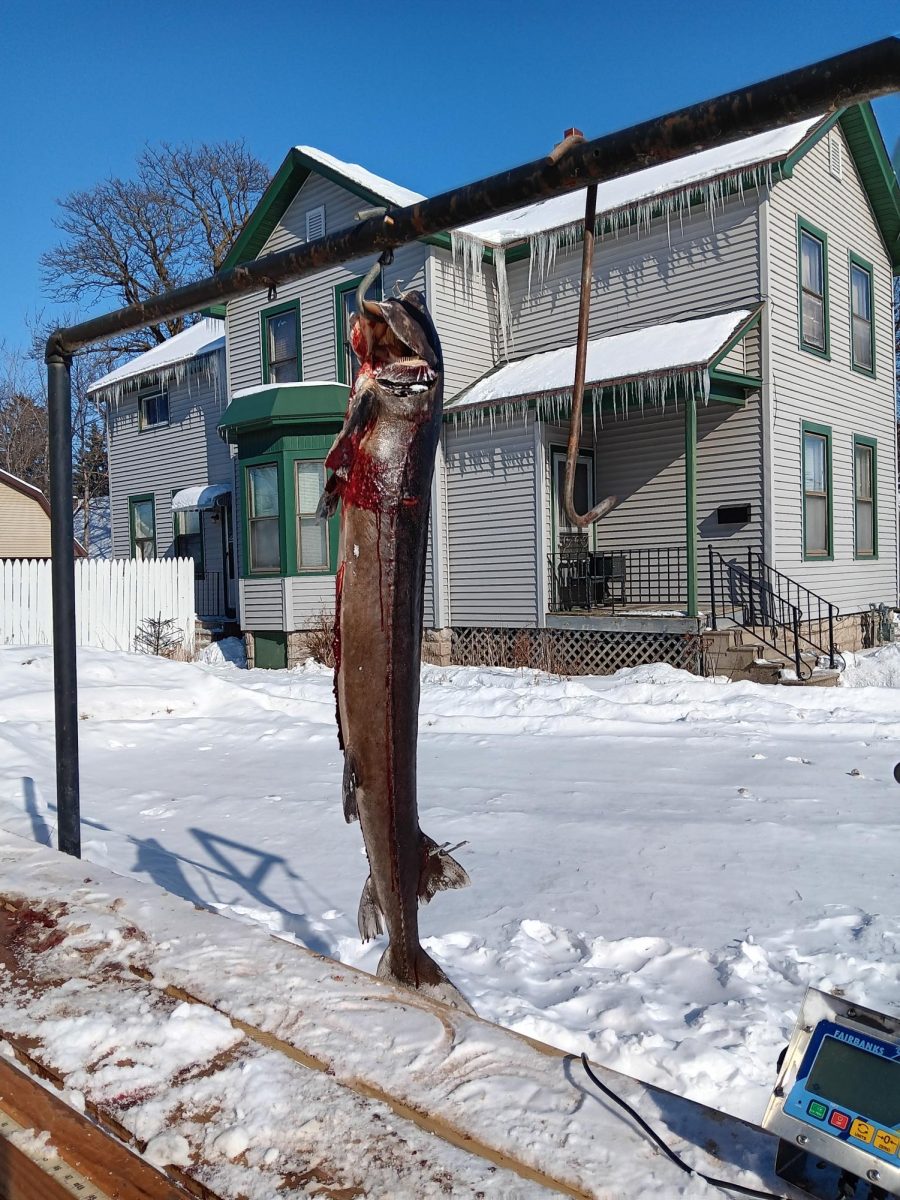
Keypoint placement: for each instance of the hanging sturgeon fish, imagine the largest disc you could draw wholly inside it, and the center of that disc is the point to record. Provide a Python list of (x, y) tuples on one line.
[(382, 463)]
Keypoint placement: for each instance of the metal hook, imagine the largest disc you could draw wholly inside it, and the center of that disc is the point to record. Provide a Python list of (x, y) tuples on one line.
[(384, 260), (580, 520)]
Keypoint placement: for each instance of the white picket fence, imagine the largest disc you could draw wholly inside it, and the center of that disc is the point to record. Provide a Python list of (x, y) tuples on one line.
[(112, 598)]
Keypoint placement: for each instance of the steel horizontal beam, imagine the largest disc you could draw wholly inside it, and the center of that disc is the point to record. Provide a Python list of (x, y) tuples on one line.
[(849, 78)]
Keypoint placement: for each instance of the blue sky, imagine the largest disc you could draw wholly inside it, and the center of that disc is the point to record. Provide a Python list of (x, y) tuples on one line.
[(428, 95)]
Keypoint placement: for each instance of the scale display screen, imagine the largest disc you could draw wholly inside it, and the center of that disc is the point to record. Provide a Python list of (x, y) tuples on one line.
[(860, 1080)]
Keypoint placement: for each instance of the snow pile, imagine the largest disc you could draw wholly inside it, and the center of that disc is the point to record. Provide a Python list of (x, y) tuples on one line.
[(226, 650), (660, 864), (873, 668)]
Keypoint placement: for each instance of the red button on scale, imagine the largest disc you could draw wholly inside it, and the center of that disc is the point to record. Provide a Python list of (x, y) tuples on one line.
[(839, 1120)]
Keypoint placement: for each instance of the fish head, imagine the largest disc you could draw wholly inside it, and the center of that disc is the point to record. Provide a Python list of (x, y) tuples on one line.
[(397, 345)]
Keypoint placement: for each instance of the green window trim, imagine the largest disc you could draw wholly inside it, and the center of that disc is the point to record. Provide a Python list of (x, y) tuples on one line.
[(823, 431), (806, 227), (319, 568), (871, 443), (861, 264), (142, 498), (288, 520), (251, 572), (276, 310), (341, 333)]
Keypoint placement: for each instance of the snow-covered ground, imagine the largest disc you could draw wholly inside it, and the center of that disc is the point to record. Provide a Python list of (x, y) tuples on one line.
[(659, 863)]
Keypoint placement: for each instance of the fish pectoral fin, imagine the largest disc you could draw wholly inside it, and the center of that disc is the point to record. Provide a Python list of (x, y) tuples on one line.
[(349, 786), (370, 919), (439, 871)]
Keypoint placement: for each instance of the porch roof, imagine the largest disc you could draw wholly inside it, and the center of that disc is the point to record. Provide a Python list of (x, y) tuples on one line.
[(200, 496), (646, 364)]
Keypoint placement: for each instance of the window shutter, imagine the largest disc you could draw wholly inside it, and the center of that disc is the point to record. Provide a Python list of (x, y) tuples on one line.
[(315, 223), (835, 156)]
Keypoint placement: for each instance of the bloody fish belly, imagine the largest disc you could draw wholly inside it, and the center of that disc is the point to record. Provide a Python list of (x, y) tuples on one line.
[(382, 464)]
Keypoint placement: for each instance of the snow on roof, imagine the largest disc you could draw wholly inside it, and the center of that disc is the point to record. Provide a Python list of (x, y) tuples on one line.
[(203, 338), (392, 192), (651, 182), (680, 348)]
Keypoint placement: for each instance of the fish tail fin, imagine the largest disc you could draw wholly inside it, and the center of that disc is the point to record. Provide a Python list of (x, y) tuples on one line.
[(424, 976), (439, 871), (370, 918)]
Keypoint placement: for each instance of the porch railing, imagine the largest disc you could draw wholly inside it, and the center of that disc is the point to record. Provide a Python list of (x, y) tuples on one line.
[(584, 579), (209, 594), (781, 612)]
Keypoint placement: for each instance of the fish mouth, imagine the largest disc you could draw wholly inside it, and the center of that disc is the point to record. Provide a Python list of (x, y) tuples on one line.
[(407, 376)]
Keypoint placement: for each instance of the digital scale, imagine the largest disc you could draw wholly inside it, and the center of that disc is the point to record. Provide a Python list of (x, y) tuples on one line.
[(836, 1103)]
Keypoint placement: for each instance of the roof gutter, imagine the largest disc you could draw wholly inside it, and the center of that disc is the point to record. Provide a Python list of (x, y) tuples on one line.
[(846, 79)]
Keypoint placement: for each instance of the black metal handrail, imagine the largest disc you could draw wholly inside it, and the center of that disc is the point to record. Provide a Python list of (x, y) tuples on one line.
[(584, 579), (209, 594), (781, 612)]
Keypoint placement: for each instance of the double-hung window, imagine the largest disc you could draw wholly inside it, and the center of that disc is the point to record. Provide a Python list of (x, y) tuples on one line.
[(817, 533), (865, 517), (862, 340), (142, 514), (153, 408), (262, 519), (312, 531), (813, 289), (281, 344)]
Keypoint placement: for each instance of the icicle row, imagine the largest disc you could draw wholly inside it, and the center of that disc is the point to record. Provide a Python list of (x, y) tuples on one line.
[(209, 366), (656, 390)]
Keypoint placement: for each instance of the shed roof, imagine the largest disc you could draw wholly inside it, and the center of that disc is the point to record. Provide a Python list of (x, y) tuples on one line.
[(672, 353), (205, 337)]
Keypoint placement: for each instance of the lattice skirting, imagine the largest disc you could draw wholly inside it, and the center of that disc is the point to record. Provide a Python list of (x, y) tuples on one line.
[(573, 651)]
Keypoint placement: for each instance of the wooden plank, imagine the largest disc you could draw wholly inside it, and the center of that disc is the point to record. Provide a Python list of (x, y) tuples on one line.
[(105, 1162), (21, 1178)]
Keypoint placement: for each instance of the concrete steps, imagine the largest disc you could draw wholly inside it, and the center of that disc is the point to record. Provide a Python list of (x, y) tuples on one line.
[(738, 654)]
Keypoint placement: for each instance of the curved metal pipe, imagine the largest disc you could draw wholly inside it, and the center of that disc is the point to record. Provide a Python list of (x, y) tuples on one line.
[(581, 520)]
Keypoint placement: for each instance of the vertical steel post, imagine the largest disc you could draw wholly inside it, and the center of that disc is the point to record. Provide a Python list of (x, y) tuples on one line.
[(690, 500), (62, 547)]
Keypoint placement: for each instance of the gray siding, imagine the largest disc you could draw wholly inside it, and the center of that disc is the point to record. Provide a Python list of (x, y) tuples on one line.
[(315, 292), (464, 315), (186, 452), (306, 599), (805, 387), (640, 460), (674, 270), (262, 604), (492, 524)]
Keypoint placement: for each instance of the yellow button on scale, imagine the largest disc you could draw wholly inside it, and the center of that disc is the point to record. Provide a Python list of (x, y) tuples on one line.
[(886, 1141), (862, 1130)]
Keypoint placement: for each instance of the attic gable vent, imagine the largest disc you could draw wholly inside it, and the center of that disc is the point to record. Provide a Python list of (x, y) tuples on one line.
[(315, 223), (835, 156)]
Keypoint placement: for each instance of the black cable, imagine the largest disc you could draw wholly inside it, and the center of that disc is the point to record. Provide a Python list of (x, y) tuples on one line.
[(679, 1162)]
